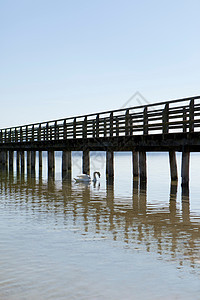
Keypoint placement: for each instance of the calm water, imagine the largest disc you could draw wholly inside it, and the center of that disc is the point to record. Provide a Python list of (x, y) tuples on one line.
[(61, 240)]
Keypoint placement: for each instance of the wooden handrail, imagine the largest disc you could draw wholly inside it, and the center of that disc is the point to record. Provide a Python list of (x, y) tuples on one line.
[(162, 117)]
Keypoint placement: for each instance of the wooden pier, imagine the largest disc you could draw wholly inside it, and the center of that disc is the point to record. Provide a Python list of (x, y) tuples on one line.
[(166, 126)]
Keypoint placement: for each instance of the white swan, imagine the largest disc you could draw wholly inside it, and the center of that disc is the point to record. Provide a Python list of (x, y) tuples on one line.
[(87, 178)]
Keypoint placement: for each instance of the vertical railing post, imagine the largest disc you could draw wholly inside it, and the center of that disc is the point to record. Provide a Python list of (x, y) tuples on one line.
[(93, 128), (145, 122), (165, 118), (32, 133), (74, 128), (16, 135), (111, 124), (1, 136), (51, 132), (105, 127), (117, 126), (21, 135), (56, 132), (131, 124), (39, 133), (97, 125), (191, 116), (5, 135), (46, 132), (184, 120), (127, 123), (65, 130), (26, 133), (10, 135), (85, 127)]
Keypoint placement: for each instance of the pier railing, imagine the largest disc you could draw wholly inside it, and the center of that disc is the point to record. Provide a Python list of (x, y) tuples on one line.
[(182, 115)]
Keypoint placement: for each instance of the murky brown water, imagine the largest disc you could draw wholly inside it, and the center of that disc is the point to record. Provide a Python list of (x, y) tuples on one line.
[(61, 240)]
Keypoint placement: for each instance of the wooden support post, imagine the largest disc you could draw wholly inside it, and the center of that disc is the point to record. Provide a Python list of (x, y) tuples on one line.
[(135, 163), (66, 161), (142, 166), (185, 168), (28, 161), (51, 161), (11, 159), (18, 161), (40, 159), (173, 165), (22, 161), (109, 164), (33, 155), (4, 157), (86, 162)]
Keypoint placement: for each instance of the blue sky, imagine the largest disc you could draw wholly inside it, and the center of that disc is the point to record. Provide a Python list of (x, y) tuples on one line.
[(64, 58)]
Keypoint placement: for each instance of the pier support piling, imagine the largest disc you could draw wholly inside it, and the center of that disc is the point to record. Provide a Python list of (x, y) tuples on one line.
[(51, 161), (4, 158), (173, 166), (86, 162), (142, 167), (18, 161), (28, 161), (11, 159), (33, 157), (22, 161), (66, 161), (185, 168), (109, 164), (40, 159), (135, 163), (66, 164)]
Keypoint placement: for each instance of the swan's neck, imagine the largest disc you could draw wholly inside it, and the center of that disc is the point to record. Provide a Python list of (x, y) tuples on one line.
[(94, 177)]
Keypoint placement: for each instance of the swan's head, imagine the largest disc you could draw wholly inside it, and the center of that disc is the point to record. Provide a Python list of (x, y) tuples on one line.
[(98, 173)]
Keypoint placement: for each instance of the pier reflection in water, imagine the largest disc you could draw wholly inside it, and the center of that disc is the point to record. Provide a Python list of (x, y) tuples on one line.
[(44, 222)]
